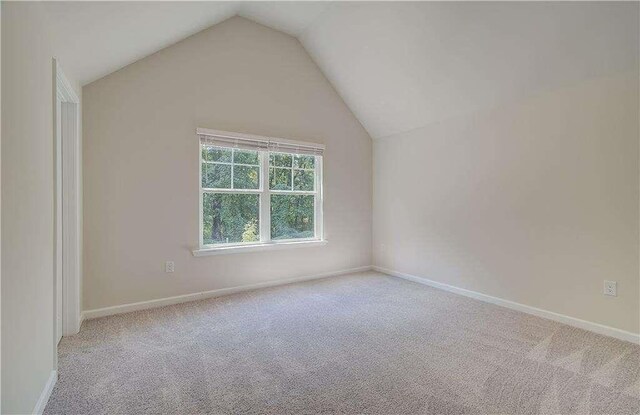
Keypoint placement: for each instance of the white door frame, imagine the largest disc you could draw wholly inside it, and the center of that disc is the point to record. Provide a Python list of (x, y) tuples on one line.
[(69, 170)]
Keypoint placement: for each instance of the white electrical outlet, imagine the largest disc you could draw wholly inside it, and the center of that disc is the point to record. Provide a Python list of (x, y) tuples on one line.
[(168, 266), (610, 288)]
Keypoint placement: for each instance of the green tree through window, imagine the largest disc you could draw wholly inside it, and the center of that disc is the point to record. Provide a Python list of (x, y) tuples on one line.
[(234, 194)]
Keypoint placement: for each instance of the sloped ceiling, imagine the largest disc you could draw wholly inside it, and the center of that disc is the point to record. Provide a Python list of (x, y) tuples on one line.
[(97, 38), (398, 65), (401, 66)]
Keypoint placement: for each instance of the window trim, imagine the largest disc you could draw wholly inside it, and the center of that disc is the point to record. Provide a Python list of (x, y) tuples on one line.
[(265, 243), (256, 247)]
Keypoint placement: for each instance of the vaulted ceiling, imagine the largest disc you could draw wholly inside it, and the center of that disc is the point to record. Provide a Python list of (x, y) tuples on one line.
[(398, 65), (100, 37)]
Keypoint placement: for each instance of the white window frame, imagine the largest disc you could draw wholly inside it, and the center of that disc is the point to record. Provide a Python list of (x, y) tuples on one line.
[(264, 220)]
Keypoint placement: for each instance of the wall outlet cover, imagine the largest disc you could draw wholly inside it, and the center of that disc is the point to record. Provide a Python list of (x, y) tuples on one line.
[(610, 288)]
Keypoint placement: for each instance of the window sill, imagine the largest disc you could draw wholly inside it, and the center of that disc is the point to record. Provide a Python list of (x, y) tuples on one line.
[(271, 246)]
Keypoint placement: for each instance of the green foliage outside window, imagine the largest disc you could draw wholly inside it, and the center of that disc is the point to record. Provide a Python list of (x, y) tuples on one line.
[(292, 216), (230, 218), (234, 217)]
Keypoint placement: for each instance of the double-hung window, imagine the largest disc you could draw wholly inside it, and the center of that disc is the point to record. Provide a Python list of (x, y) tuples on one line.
[(258, 192)]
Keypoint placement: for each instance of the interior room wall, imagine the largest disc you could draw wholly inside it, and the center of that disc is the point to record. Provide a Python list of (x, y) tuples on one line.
[(534, 201), (27, 206), (141, 163), (505, 144)]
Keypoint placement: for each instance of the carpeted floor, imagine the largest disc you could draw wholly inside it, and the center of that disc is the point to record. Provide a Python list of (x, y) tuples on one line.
[(357, 344)]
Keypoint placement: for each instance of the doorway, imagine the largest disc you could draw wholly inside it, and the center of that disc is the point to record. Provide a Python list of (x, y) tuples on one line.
[(58, 220), (67, 318)]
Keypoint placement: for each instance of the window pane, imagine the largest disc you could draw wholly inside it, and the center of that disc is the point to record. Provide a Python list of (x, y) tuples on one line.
[(245, 157), (279, 179), (230, 218), (216, 176), (211, 153), (303, 180), (292, 216), (245, 177), (280, 160), (304, 162)]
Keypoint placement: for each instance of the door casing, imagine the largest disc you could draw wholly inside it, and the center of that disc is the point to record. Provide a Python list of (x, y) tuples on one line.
[(67, 208)]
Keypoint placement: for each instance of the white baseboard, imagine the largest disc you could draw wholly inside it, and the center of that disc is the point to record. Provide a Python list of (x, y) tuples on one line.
[(46, 393), (125, 308), (561, 318)]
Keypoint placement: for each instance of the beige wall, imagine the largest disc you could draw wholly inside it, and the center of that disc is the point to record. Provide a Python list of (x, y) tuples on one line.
[(27, 206), (534, 201), (141, 163)]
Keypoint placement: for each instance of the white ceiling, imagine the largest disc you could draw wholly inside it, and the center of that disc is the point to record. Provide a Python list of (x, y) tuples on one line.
[(401, 66), (97, 38), (398, 65)]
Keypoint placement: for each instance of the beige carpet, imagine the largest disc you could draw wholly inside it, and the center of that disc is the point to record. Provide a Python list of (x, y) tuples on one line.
[(357, 344)]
